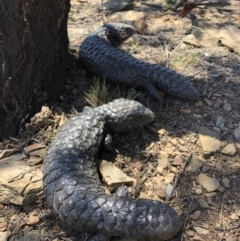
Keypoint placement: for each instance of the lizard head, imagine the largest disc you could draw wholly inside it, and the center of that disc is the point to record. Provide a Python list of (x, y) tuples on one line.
[(117, 33), (123, 115)]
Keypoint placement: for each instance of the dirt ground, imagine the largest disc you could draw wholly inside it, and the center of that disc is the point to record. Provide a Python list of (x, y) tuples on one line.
[(215, 72)]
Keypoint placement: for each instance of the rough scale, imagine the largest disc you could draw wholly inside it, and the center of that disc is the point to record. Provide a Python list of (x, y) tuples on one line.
[(100, 55), (74, 191)]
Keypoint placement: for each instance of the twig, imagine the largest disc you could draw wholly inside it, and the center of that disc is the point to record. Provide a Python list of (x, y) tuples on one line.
[(186, 219), (179, 175), (221, 211), (227, 229)]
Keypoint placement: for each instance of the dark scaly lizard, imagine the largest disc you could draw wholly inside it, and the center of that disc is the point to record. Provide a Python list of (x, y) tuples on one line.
[(73, 189), (100, 55)]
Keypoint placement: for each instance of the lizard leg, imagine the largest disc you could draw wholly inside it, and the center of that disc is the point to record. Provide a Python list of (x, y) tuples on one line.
[(151, 90)]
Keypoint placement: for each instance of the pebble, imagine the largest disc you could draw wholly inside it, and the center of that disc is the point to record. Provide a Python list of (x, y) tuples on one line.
[(162, 164), (229, 149), (178, 161), (3, 226), (174, 141), (3, 236), (226, 182), (169, 190), (183, 149), (227, 106), (218, 167), (205, 168), (237, 133), (161, 193), (234, 216), (195, 215), (169, 178), (201, 231), (34, 160), (189, 233), (209, 140), (220, 122), (185, 111), (195, 164), (14, 219), (33, 218), (33, 147), (202, 203), (174, 169), (211, 194), (208, 183), (198, 191), (161, 132)]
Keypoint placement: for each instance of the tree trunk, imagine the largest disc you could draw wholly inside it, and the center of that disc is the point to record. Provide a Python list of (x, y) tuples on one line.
[(33, 56)]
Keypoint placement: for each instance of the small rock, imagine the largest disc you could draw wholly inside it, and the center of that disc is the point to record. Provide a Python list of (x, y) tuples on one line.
[(161, 132), (201, 231), (3, 236), (237, 133), (205, 168), (221, 189), (229, 149), (169, 190), (34, 161), (234, 216), (40, 153), (198, 191), (209, 140), (211, 194), (33, 218), (174, 170), (162, 164), (22, 190), (208, 102), (33, 147), (231, 238), (3, 226), (183, 149), (161, 193), (189, 233), (158, 179), (185, 111), (195, 215), (195, 164), (218, 130), (227, 106), (208, 183), (202, 203), (174, 142), (113, 176), (15, 218), (178, 161), (196, 116), (220, 122), (226, 182), (139, 166), (219, 167), (169, 178)]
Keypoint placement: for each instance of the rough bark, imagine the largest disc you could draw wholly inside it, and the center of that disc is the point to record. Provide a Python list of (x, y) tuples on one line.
[(33, 55)]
